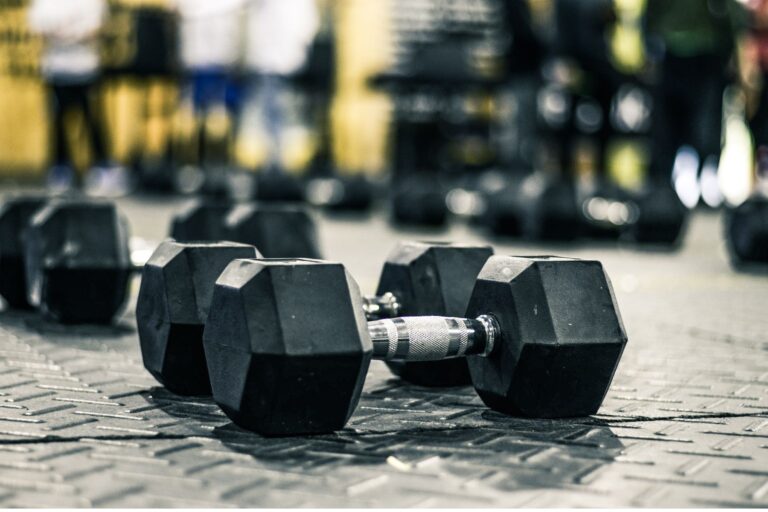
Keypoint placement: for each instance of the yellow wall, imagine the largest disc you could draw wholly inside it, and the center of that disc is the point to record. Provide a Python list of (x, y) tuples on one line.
[(23, 127), (23, 113), (359, 115)]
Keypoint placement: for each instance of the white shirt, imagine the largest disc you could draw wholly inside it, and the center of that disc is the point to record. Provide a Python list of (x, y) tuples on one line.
[(70, 29), (278, 34), (210, 32)]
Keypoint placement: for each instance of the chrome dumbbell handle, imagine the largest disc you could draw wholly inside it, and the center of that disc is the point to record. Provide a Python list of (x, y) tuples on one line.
[(432, 338)]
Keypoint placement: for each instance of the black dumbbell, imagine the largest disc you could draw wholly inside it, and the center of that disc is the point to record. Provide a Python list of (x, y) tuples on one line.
[(173, 303), (274, 185), (746, 231), (279, 230), (418, 200), (62, 253), (661, 217), (76, 259), (78, 262), (538, 207), (15, 215), (606, 210), (341, 193), (417, 278), (652, 216), (428, 279), (288, 345)]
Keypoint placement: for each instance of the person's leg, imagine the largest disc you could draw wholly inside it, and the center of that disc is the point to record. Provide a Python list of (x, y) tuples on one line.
[(59, 103), (105, 178), (216, 115), (604, 94), (706, 121), (705, 103), (197, 87), (758, 125), (273, 117), (208, 95), (668, 123), (93, 122), (61, 176)]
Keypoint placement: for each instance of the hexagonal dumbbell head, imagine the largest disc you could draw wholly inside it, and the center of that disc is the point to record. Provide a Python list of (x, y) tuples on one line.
[(287, 345), (200, 221), (15, 215), (561, 336), (77, 261), (662, 218), (549, 211), (747, 231), (432, 279), (419, 200), (174, 299), (278, 230)]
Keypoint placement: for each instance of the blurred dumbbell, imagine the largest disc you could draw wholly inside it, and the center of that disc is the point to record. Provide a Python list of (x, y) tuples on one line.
[(660, 219), (76, 260), (15, 214), (341, 193), (278, 186), (288, 345), (606, 211), (177, 281), (279, 230), (418, 201), (537, 207), (653, 216), (746, 231)]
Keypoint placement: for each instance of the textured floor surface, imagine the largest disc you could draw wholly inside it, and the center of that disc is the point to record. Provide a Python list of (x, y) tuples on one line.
[(685, 422)]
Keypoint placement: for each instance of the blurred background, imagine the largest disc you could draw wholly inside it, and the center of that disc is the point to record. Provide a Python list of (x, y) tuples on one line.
[(539, 119)]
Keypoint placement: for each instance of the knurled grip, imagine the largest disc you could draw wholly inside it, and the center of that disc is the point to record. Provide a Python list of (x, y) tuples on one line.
[(429, 338)]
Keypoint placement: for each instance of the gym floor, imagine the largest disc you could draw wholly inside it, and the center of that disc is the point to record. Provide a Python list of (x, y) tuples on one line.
[(684, 424)]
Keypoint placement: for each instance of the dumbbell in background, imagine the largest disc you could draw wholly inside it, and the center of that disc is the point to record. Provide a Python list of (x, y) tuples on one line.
[(15, 214), (746, 230), (288, 345), (71, 258), (279, 230), (68, 258), (178, 280)]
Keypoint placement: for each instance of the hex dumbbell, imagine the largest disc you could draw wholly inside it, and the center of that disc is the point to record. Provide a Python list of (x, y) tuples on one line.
[(746, 231), (15, 214), (417, 278), (69, 258), (173, 304), (279, 230), (428, 279), (288, 346)]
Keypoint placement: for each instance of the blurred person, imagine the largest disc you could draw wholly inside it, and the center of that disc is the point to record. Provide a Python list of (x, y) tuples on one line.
[(70, 66), (139, 62), (524, 57), (210, 33), (756, 49), (277, 41), (693, 42), (582, 28)]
